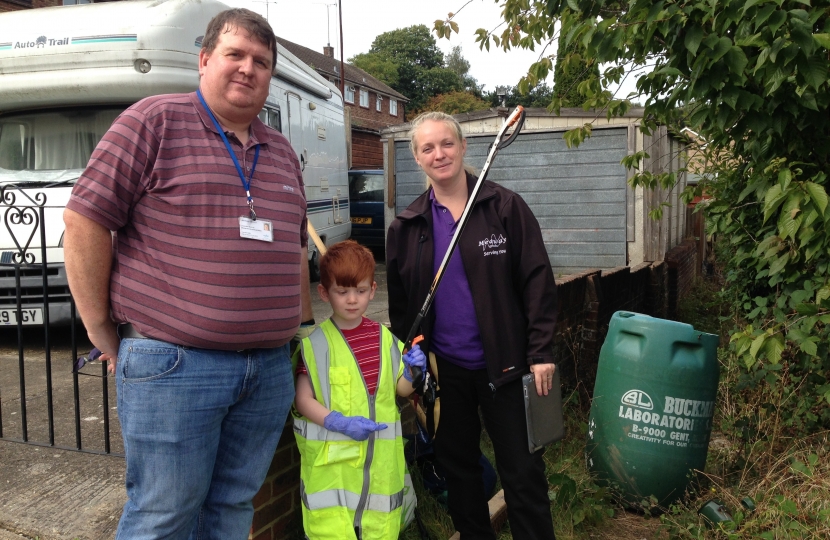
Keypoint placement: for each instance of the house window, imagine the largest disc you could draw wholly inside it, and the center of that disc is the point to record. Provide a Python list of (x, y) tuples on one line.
[(393, 107), (350, 94), (364, 98), (378, 102)]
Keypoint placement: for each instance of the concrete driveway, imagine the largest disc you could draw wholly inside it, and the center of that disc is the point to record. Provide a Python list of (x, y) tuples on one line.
[(52, 494)]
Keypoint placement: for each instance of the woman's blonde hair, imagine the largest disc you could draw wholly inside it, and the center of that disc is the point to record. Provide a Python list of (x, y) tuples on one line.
[(437, 116), (434, 116)]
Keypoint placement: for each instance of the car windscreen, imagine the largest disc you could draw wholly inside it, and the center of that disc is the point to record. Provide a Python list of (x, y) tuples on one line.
[(366, 187), (52, 139)]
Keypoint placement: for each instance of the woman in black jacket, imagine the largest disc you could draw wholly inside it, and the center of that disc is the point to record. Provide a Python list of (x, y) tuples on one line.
[(492, 322)]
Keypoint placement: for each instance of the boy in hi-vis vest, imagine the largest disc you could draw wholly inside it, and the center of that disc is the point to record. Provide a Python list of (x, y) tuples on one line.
[(348, 431)]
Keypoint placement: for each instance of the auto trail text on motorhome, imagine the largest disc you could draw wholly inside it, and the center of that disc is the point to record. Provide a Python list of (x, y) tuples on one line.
[(67, 72)]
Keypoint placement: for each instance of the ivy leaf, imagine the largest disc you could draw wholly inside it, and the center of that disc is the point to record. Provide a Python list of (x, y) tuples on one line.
[(818, 195)]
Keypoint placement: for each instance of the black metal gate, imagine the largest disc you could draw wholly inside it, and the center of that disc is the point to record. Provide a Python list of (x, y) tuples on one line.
[(48, 397)]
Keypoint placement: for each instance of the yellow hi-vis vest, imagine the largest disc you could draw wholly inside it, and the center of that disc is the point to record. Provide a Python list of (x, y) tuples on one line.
[(347, 484)]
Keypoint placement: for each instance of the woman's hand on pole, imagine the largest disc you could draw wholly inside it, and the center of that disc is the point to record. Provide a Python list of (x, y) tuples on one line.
[(543, 377)]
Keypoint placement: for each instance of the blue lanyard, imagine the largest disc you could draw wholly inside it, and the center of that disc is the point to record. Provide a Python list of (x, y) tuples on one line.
[(245, 183)]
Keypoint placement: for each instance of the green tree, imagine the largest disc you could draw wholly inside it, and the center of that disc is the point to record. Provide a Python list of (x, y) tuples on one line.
[(539, 96), (414, 44), (751, 76), (456, 63), (455, 103), (573, 66), (380, 67), (418, 65)]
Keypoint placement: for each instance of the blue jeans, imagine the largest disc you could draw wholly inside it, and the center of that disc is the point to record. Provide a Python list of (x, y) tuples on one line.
[(200, 429)]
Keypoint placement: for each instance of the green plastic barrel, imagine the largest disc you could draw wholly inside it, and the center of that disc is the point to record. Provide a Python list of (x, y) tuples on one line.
[(651, 416)]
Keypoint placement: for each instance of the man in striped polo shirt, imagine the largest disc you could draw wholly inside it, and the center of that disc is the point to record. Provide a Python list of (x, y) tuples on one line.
[(207, 285)]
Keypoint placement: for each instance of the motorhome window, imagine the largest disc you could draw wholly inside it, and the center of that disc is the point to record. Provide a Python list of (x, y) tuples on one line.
[(76, 2), (366, 187), (53, 139), (364, 98), (271, 118)]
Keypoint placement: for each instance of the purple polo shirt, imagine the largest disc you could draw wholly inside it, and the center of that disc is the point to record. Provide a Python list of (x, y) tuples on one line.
[(455, 336)]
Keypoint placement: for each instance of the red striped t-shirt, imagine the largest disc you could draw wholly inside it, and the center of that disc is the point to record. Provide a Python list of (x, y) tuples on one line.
[(364, 341), (162, 178)]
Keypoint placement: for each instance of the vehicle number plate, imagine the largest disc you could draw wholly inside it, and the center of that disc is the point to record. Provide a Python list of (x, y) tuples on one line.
[(8, 317), (362, 220)]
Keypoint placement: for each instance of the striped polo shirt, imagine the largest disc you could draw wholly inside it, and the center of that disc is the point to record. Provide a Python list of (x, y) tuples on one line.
[(162, 178)]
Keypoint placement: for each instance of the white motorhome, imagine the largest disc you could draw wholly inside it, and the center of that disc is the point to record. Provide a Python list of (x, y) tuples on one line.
[(67, 72)]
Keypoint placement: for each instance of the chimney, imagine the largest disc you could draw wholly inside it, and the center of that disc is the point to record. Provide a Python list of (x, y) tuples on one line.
[(328, 50)]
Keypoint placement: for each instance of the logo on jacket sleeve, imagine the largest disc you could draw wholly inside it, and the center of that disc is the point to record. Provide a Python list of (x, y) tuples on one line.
[(491, 246)]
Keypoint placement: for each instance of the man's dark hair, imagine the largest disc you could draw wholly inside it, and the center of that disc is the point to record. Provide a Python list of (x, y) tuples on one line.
[(233, 19)]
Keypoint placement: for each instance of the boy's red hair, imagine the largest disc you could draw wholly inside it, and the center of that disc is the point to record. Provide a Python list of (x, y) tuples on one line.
[(346, 264)]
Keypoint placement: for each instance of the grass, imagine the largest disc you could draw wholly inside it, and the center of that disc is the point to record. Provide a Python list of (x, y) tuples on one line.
[(787, 477)]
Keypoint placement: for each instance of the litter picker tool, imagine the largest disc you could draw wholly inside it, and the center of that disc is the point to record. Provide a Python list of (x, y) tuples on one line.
[(421, 379)]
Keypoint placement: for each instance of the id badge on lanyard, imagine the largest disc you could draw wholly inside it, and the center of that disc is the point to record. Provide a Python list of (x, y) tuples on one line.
[(249, 226)]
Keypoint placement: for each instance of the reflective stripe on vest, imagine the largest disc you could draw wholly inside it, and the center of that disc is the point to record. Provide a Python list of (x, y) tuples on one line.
[(320, 348), (350, 500)]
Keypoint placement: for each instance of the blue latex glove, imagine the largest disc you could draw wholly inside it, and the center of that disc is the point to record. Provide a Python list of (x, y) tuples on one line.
[(415, 357), (357, 427)]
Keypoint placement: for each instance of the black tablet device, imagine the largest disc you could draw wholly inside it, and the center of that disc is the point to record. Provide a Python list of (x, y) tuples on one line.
[(543, 413)]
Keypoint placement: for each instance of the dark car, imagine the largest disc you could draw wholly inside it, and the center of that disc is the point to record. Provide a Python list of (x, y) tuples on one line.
[(366, 208)]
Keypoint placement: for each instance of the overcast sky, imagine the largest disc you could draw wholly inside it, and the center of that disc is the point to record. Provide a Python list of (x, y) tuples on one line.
[(305, 22)]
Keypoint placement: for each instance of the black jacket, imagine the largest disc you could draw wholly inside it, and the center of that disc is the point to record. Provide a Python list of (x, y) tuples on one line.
[(507, 268)]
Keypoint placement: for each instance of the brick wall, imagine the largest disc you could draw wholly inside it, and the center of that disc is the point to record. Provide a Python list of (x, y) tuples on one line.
[(14, 5), (367, 150), (277, 511), (587, 301), (371, 118)]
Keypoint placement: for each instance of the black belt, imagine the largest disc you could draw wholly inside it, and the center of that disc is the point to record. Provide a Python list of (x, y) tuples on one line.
[(128, 331)]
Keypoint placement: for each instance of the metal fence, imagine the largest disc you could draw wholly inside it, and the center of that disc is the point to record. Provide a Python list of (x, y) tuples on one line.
[(47, 396)]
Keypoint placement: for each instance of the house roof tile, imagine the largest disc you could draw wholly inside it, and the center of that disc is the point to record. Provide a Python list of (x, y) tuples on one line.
[(330, 67)]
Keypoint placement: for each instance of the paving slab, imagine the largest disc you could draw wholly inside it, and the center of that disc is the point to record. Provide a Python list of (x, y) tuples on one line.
[(53, 494)]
